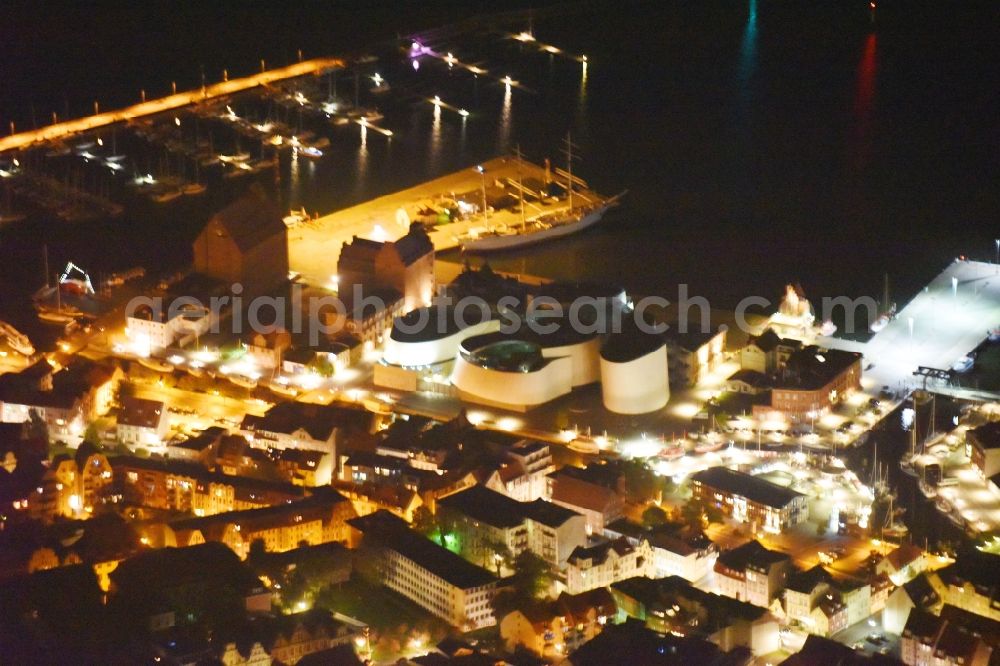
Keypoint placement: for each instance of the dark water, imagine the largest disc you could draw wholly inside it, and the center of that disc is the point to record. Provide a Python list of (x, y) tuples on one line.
[(760, 142)]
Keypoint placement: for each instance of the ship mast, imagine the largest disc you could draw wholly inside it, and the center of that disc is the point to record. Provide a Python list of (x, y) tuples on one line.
[(568, 152), (520, 185)]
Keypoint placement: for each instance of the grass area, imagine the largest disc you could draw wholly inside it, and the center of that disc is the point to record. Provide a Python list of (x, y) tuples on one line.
[(394, 619), (375, 605)]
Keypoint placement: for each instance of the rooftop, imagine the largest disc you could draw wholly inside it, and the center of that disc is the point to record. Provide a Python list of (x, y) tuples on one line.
[(751, 554), (745, 485), (987, 436), (141, 413), (394, 533), (811, 368), (320, 421), (251, 219)]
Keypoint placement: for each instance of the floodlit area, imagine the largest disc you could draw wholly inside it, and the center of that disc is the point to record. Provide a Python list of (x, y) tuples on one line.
[(943, 323)]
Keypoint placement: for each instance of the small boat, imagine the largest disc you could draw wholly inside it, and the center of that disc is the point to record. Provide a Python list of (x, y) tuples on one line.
[(167, 196), (295, 218), (243, 380), (671, 453), (7, 218), (58, 149), (283, 389), (16, 340), (236, 157), (907, 467), (994, 334), (963, 364), (310, 152), (156, 364), (584, 444), (880, 323), (63, 316), (193, 188), (709, 445), (828, 328)]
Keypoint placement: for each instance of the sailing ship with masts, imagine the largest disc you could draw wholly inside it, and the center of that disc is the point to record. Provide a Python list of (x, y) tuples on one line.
[(548, 226)]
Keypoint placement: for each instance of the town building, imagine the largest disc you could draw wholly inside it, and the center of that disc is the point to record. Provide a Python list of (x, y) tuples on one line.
[(675, 552), (405, 265), (768, 352), (761, 504), (753, 573), (607, 562), (482, 518), (694, 355), (142, 423), (972, 583), (282, 527), (366, 314), (983, 445), (176, 321), (803, 593), (811, 381), (673, 605), (177, 485), (431, 576), (246, 243), (266, 350), (555, 628), (66, 401), (596, 491), (632, 642), (903, 563), (918, 593), (297, 425), (523, 475), (955, 637)]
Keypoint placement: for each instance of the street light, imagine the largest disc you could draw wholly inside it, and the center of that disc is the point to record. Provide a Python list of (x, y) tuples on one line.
[(482, 172)]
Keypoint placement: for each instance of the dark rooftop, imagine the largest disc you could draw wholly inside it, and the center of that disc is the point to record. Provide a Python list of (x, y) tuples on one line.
[(140, 412), (435, 322), (987, 436), (318, 420), (750, 554), (251, 219), (630, 344), (812, 368), (393, 532), (745, 485), (808, 580)]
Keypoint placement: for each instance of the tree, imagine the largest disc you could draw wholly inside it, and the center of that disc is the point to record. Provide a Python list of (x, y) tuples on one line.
[(37, 427), (424, 521), (695, 512), (654, 516), (497, 554), (531, 581), (92, 435), (126, 389)]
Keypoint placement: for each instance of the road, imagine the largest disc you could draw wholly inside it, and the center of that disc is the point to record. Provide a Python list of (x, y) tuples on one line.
[(168, 103)]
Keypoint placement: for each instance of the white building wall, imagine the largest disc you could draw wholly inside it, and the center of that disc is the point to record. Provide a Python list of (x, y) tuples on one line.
[(638, 386)]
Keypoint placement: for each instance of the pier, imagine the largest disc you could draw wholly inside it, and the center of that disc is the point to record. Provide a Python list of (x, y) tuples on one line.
[(170, 102), (313, 249), (942, 323)]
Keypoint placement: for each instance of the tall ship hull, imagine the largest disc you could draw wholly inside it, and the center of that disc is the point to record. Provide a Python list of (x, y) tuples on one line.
[(538, 232)]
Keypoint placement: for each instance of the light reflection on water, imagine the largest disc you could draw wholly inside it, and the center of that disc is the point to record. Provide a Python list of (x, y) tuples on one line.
[(503, 139)]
